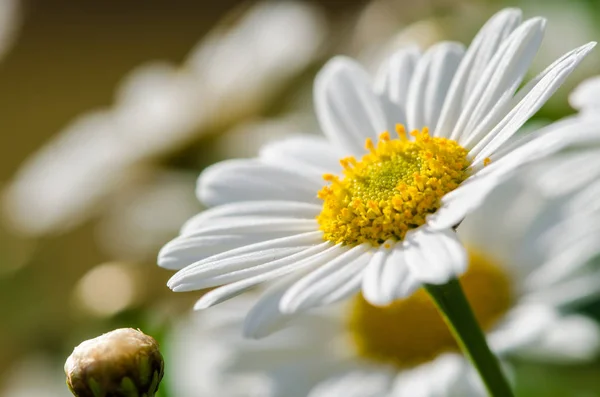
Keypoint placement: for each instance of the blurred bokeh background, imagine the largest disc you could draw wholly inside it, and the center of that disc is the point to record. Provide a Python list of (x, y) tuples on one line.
[(109, 109)]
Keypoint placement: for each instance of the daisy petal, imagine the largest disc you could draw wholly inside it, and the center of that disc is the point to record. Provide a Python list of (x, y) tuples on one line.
[(367, 382), (228, 291), (567, 261), (434, 257), (500, 80), (183, 251), (567, 174), (265, 317), (244, 266), (208, 275), (430, 83), (454, 376), (311, 288), (312, 154), (392, 81), (348, 109), (569, 340), (387, 277), (394, 78), (252, 225), (543, 142), (572, 292), (521, 326), (229, 233), (585, 97), (249, 180), (338, 285), (267, 209), (476, 59), (533, 97)]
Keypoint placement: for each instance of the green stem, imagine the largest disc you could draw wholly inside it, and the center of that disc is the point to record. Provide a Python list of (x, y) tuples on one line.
[(457, 313)]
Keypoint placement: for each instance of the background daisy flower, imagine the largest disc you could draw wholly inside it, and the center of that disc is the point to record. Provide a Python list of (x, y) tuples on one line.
[(396, 206), (530, 261)]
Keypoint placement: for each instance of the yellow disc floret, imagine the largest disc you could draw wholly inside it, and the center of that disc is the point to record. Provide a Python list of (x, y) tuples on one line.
[(391, 189)]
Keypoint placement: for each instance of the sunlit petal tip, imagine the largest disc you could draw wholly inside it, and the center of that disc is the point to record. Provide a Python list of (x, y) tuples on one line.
[(205, 302)]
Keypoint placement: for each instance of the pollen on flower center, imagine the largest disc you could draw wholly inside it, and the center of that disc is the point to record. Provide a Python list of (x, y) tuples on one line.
[(391, 189), (411, 331)]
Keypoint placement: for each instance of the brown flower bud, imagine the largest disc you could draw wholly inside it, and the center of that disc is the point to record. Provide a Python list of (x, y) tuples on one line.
[(122, 363)]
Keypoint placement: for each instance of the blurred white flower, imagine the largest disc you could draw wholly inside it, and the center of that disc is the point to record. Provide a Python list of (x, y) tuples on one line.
[(530, 260), (57, 188), (274, 42), (159, 108), (207, 355), (142, 215)]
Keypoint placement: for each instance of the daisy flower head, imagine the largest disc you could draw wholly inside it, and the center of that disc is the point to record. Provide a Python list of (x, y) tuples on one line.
[(373, 203), (531, 260)]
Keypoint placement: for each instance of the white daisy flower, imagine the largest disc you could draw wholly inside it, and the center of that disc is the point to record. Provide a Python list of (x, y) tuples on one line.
[(528, 261), (385, 219)]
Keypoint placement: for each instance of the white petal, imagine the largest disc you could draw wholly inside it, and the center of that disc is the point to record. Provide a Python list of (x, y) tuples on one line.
[(182, 251), (265, 317), (585, 96), (249, 180), (309, 290), (228, 291), (348, 109), (364, 382), (533, 97), (242, 267), (476, 59), (394, 78), (586, 198), (333, 288), (572, 292), (392, 81), (568, 173), (560, 264), (454, 377), (387, 277), (568, 132), (548, 140), (569, 340), (434, 257), (500, 80), (313, 154), (224, 234), (271, 209), (253, 225), (520, 327), (195, 277), (458, 203), (430, 83)]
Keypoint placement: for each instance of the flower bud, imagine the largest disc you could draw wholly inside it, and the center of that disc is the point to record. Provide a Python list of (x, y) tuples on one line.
[(122, 363)]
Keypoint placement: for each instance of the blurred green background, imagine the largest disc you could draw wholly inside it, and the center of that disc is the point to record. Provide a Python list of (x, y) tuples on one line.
[(83, 276)]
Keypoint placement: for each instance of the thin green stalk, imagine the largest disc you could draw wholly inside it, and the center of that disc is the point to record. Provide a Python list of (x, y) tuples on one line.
[(459, 317)]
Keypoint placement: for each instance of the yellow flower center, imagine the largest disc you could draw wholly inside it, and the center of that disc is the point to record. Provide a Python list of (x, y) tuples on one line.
[(411, 331), (391, 189)]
